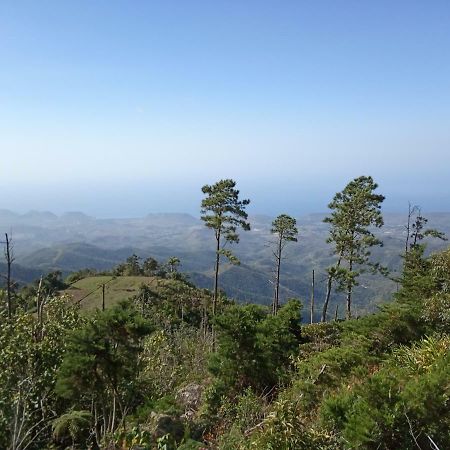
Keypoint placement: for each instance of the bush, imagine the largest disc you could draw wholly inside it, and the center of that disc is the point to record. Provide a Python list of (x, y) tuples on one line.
[(403, 402)]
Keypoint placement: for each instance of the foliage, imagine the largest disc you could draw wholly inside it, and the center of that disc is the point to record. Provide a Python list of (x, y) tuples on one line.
[(79, 275), (284, 227), (101, 364), (355, 210), (134, 437), (47, 286), (436, 311), (422, 355), (399, 405), (318, 337), (243, 412), (30, 354), (284, 429), (224, 213), (190, 444), (73, 424), (172, 302), (172, 358), (254, 348), (172, 263), (149, 373)]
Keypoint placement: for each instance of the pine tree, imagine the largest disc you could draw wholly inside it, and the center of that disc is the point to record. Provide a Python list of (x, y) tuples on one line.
[(286, 230), (224, 213), (354, 211)]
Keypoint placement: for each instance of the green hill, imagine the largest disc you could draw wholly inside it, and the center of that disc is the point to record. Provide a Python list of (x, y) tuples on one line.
[(73, 242), (89, 292)]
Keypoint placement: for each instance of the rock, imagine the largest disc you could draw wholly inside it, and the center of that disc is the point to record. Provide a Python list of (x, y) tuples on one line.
[(190, 396), (162, 424)]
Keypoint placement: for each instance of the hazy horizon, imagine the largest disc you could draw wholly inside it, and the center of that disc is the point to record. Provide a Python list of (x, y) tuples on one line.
[(196, 214), (137, 200)]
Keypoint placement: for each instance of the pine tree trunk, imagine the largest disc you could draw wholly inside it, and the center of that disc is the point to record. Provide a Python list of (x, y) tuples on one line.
[(312, 297), (328, 294), (349, 303), (216, 275), (349, 293), (276, 300), (8, 276)]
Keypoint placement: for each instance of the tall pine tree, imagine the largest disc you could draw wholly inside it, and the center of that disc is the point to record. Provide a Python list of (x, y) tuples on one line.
[(224, 213), (355, 210)]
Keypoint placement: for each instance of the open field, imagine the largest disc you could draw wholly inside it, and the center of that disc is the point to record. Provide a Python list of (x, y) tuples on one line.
[(89, 291)]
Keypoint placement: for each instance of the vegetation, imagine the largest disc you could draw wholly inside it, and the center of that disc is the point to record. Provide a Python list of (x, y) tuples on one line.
[(143, 369), (224, 213), (354, 211), (284, 227)]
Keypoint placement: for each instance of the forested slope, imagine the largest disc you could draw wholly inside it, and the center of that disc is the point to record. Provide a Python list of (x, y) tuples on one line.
[(145, 374)]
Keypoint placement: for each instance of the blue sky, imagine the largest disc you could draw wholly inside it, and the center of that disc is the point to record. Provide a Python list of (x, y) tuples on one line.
[(120, 108)]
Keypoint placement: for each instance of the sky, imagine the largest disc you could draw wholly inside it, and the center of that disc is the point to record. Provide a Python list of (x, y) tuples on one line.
[(121, 108)]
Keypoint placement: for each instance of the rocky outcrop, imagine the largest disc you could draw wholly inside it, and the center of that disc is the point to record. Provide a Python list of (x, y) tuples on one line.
[(162, 424)]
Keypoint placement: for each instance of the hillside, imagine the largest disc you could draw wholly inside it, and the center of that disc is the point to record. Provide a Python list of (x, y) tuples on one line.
[(88, 291), (73, 241), (254, 381)]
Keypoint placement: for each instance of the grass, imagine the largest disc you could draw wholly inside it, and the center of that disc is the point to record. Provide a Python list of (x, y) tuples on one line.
[(89, 290)]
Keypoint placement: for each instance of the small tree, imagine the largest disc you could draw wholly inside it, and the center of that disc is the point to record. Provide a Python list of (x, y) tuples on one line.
[(101, 365), (133, 265), (255, 348), (418, 231), (354, 211), (286, 230), (223, 212), (150, 266), (173, 262), (414, 246)]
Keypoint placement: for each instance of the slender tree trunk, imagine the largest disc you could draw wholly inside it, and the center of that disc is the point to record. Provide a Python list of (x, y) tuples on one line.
[(113, 419), (104, 432), (328, 294), (96, 425), (103, 296), (205, 319), (327, 298), (336, 313), (9, 260), (349, 293), (38, 304), (276, 300), (216, 274), (312, 297), (408, 227)]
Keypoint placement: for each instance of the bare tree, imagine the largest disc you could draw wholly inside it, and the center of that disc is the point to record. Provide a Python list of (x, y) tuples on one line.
[(9, 257), (411, 211), (312, 296)]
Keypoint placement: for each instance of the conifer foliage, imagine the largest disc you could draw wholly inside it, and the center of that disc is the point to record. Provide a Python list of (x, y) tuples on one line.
[(355, 211), (224, 213)]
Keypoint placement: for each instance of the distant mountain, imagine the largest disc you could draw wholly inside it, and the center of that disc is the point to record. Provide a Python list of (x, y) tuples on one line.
[(76, 256), (21, 275), (72, 241)]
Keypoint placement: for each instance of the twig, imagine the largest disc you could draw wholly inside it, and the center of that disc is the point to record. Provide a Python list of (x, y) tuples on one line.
[(412, 432), (434, 445)]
